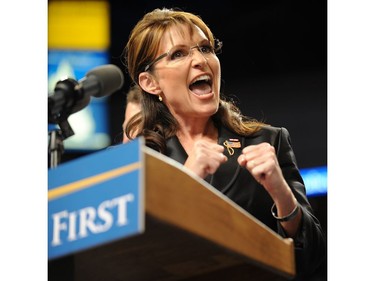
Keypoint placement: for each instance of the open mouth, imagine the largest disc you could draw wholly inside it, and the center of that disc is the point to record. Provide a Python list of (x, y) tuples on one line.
[(202, 85)]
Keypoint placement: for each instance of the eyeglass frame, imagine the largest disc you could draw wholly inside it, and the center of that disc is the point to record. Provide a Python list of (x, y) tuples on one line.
[(217, 49)]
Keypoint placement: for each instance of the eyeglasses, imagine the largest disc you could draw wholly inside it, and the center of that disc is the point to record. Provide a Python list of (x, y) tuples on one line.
[(180, 53)]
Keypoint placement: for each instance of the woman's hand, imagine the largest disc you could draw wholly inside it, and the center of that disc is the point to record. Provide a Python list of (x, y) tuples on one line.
[(261, 161), (205, 158)]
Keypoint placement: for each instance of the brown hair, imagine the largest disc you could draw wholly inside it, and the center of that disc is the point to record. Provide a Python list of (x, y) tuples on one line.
[(156, 122), (145, 37)]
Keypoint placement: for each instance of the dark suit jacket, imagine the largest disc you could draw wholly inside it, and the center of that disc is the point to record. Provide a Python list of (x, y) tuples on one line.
[(238, 184)]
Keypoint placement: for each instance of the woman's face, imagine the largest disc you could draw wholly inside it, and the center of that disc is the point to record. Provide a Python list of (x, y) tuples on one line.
[(189, 76)]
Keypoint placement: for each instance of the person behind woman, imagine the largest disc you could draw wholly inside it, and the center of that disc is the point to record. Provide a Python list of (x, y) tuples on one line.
[(132, 108), (171, 55)]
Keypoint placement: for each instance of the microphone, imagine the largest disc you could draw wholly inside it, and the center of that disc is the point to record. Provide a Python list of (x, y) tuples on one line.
[(102, 80), (70, 96)]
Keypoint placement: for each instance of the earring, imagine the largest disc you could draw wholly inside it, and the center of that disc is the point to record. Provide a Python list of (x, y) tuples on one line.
[(160, 98)]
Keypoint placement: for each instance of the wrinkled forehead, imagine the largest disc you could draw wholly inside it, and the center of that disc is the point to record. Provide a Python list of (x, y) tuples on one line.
[(182, 34)]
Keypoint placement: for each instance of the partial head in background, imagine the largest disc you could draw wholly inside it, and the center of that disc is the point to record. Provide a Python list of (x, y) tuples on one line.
[(133, 106)]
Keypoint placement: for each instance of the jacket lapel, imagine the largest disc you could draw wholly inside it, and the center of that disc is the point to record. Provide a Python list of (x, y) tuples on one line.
[(227, 172), (175, 150)]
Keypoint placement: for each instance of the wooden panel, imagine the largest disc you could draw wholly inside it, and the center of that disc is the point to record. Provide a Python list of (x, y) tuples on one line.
[(166, 253), (186, 201)]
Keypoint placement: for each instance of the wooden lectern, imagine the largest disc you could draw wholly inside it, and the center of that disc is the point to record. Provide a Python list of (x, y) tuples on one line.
[(192, 233)]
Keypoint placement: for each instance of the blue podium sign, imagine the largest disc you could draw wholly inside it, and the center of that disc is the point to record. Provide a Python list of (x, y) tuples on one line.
[(95, 199)]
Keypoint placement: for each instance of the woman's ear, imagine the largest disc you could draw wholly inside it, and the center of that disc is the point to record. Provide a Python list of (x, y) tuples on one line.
[(149, 84)]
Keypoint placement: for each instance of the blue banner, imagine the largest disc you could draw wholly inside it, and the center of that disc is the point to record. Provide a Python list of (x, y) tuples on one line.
[(95, 199)]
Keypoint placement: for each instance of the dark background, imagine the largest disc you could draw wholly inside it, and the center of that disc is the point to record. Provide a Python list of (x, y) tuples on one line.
[(274, 64)]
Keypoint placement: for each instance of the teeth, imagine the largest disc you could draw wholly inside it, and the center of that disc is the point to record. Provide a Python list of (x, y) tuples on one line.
[(200, 78)]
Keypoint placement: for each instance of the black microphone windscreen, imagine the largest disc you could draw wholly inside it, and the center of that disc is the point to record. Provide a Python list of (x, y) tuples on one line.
[(110, 78)]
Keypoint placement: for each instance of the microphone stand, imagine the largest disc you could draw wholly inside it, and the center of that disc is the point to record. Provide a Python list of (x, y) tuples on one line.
[(56, 142), (59, 115)]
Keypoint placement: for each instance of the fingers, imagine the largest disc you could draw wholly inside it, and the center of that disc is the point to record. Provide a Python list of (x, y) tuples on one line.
[(205, 158), (258, 148), (259, 160), (207, 151), (258, 170), (255, 155), (213, 158)]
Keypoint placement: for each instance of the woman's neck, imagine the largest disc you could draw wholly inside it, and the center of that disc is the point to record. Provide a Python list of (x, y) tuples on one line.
[(188, 134)]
